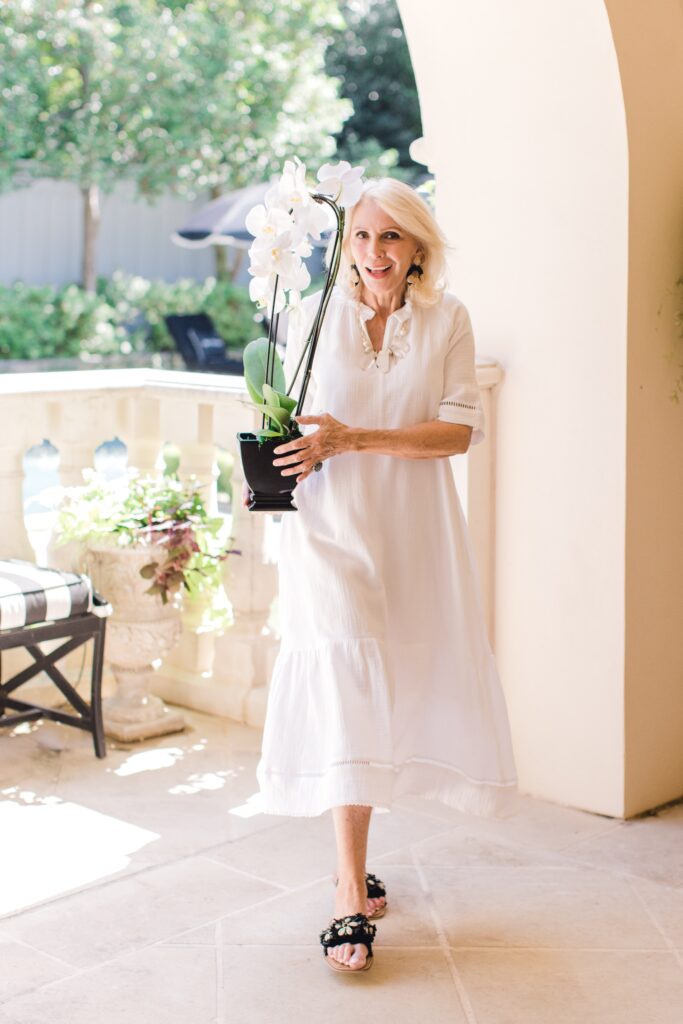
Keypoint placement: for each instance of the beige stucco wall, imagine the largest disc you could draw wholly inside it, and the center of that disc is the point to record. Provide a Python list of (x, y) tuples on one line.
[(525, 128), (649, 43)]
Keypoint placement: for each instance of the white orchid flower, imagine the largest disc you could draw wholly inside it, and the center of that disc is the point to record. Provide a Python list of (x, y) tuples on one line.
[(268, 223), (261, 292), (342, 182), (292, 194), (303, 248), (293, 187), (275, 258)]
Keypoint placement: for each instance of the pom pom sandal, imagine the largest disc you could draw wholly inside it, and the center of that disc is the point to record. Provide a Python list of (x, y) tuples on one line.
[(354, 928), (375, 888)]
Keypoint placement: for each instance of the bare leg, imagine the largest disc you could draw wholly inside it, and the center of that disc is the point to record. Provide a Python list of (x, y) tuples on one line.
[(351, 824)]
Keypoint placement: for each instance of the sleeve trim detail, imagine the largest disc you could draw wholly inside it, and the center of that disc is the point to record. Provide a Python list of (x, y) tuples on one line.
[(462, 405)]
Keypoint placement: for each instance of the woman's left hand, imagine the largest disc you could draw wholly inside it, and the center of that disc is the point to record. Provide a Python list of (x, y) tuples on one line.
[(301, 455)]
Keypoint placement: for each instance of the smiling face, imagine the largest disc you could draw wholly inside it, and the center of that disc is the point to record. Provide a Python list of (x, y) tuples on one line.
[(382, 251)]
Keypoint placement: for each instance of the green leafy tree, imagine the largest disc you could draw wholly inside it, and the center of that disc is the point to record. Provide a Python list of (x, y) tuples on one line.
[(371, 57), (175, 97)]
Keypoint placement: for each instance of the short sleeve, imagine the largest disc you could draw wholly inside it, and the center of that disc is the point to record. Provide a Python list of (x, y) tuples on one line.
[(461, 398), (298, 328)]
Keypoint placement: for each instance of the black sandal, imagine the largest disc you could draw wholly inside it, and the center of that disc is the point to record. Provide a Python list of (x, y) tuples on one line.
[(375, 888), (354, 928)]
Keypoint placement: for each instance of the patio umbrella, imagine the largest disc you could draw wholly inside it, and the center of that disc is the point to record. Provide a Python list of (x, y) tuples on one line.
[(221, 222)]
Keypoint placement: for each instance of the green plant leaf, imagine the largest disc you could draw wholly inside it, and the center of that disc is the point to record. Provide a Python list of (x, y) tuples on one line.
[(255, 361), (273, 412), (263, 435), (272, 397), (284, 401)]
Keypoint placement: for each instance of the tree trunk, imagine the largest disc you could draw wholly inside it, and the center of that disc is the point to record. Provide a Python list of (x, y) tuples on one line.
[(219, 253), (221, 263), (91, 227)]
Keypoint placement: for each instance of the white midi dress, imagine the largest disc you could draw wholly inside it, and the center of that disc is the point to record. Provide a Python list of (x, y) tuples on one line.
[(385, 683)]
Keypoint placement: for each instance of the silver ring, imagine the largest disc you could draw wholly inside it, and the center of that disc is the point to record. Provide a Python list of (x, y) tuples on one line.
[(318, 466)]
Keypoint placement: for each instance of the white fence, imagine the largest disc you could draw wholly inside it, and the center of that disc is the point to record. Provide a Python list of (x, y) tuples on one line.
[(41, 232)]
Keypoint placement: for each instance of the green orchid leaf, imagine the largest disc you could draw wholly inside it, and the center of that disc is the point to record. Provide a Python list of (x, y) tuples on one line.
[(255, 359), (285, 401), (272, 397), (273, 412), (263, 435)]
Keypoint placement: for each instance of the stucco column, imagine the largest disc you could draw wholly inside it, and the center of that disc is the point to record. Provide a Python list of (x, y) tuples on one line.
[(554, 134)]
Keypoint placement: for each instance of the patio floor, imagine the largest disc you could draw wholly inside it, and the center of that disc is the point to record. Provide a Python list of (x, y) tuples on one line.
[(147, 887)]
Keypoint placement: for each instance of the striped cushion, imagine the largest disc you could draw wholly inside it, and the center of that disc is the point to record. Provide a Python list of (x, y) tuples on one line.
[(30, 594)]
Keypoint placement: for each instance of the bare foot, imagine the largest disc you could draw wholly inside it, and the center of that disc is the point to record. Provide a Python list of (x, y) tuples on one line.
[(374, 903), (350, 899)]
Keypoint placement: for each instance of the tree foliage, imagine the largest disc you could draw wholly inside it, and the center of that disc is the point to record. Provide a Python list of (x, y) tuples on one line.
[(182, 96), (179, 97), (370, 55)]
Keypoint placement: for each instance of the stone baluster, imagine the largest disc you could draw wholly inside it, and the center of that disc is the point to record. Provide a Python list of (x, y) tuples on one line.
[(186, 675), (138, 418), (245, 653), (24, 432)]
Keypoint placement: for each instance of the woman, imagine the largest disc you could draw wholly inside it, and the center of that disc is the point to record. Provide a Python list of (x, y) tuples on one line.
[(385, 683)]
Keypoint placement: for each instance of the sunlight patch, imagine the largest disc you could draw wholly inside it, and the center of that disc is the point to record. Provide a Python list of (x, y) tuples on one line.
[(197, 782), (51, 847), (253, 805), (150, 760)]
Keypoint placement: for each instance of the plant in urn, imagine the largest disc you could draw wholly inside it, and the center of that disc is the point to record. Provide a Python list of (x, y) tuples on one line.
[(148, 543)]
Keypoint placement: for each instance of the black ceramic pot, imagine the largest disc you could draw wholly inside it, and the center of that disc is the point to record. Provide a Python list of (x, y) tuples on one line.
[(271, 491)]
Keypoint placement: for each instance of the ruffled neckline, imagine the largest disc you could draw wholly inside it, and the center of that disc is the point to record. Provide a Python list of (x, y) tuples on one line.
[(395, 346), (402, 314)]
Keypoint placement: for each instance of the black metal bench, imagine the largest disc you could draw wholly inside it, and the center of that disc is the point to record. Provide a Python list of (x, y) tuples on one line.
[(38, 604)]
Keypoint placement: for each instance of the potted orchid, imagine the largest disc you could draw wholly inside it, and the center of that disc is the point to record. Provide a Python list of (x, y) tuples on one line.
[(283, 226)]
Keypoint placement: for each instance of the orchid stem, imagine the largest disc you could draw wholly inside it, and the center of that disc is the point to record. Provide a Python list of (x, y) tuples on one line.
[(312, 340), (270, 355)]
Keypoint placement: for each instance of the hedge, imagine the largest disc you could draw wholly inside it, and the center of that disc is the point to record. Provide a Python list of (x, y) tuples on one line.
[(126, 314)]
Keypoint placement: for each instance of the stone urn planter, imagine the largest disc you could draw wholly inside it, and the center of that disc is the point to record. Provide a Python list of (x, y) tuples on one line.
[(140, 632)]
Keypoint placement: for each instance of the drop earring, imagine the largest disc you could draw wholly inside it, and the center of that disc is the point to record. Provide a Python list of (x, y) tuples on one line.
[(414, 274), (355, 269)]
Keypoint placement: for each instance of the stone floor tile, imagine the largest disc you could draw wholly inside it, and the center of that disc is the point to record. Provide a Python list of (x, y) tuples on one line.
[(299, 917), (205, 935), (648, 847), (541, 907), (96, 925), (534, 986), (463, 848), (666, 906), (296, 852), (395, 829), (104, 819), (304, 849), (23, 968), (542, 824), (160, 983), (294, 984), (433, 809)]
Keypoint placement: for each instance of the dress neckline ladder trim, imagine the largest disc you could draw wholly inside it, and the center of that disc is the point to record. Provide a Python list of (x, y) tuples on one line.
[(394, 344)]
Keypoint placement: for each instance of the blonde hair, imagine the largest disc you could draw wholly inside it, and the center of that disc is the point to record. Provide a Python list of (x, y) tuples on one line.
[(412, 214)]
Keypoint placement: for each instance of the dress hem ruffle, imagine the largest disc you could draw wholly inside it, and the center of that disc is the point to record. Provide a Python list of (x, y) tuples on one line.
[(300, 795)]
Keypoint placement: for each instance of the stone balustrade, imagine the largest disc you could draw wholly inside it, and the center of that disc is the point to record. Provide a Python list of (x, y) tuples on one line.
[(77, 411)]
